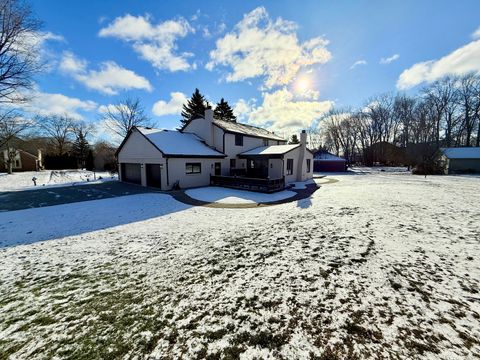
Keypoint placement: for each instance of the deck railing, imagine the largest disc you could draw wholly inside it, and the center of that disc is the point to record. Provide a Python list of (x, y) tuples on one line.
[(246, 183)]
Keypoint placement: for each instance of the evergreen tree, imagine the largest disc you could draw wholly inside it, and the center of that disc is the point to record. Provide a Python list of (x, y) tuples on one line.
[(80, 148), (224, 112), (194, 108), (89, 163), (294, 139)]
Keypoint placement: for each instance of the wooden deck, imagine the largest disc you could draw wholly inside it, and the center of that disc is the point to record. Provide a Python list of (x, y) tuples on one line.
[(250, 184)]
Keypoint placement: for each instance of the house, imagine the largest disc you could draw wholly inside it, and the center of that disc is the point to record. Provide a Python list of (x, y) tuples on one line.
[(23, 161), (27, 157), (324, 161), (207, 151), (460, 160)]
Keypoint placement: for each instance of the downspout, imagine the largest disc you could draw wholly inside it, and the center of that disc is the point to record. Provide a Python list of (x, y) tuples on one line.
[(168, 182)]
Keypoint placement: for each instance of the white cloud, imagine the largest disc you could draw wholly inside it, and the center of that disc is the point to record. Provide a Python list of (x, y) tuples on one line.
[(281, 111), (261, 46), (476, 33), (459, 61), (172, 107), (390, 59), (243, 108), (156, 43), (357, 63), (45, 104), (110, 79)]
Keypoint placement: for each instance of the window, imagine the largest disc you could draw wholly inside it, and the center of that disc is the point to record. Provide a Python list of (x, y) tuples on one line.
[(289, 166), (233, 163), (193, 168), (308, 165), (265, 142), (238, 140), (17, 163)]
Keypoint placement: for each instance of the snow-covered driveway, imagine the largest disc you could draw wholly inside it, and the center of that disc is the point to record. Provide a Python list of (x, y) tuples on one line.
[(373, 266)]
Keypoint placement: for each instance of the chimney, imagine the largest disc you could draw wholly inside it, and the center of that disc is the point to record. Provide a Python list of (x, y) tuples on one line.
[(208, 137), (303, 139), (301, 158), (208, 115)]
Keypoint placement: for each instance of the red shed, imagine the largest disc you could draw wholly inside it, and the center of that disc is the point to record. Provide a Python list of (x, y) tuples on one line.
[(326, 162)]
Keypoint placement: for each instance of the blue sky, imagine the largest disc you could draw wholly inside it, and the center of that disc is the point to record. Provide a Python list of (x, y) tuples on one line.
[(280, 63)]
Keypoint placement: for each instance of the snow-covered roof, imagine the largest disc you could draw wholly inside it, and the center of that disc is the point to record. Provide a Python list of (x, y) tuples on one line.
[(326, 156), (245, 129), (462, 152), (271, 150), (176, 143)]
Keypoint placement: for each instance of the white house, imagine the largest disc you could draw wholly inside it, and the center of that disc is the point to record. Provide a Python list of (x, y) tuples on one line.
[(207, 151)]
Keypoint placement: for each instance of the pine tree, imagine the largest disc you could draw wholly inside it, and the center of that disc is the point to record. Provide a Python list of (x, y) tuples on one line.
[(224, 112), (294, 139), (80, 148), (194, 108)]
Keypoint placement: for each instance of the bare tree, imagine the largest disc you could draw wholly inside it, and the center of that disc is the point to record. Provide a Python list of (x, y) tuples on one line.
[(120, 118), (11, 125), (19, 51), (467, 99), (59, 129)]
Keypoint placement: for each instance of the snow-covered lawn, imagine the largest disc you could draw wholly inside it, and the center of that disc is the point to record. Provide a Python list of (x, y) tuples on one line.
[(233, 196), (378, 265), (23, 180)]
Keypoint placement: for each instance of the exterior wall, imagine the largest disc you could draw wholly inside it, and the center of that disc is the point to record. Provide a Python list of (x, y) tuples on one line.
[(294, 154), (232, 150), (299, 170), (176, 171), (275, 168), (463, 165), (138, 150)]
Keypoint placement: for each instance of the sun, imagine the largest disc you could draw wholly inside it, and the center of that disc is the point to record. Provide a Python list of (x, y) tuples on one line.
[(302, 84)]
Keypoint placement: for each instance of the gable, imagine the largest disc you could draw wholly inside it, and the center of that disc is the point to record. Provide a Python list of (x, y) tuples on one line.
[(136, 145)]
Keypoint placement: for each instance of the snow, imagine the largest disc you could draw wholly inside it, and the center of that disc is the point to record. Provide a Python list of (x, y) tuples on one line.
[(462, 152), (172, 142), (271, 150), (48, 178), (245, 129), (374, 265), (233, 196)]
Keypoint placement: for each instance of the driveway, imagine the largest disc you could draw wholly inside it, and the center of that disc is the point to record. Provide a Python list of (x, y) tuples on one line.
[(49, 196)]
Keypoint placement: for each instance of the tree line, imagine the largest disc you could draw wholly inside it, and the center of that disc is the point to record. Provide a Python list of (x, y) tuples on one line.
[(445, 113)]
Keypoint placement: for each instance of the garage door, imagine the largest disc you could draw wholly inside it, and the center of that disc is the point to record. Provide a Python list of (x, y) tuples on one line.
[(132, 173), (153, 175)]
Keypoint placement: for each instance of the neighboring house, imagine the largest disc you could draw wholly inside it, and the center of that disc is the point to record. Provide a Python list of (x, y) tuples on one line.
[(28, 157), (23, 161), (323, 161), (207, 151), (460, 160)]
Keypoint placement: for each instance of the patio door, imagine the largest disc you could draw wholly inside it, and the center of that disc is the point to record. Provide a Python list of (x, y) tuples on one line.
[(218, 168)]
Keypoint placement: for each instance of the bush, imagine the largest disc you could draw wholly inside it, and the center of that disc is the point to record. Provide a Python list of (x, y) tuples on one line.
[(427, 168)]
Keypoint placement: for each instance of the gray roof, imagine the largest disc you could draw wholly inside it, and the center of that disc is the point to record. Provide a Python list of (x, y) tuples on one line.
[(176, 143), (461, 152), (271, 150), (245, 129), (326, 156)]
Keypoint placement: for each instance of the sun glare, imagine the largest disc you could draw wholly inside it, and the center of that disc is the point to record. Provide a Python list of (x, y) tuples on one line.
[(303, 84)]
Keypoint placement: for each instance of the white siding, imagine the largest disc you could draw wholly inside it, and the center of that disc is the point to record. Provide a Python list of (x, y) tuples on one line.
[(176, 171)]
